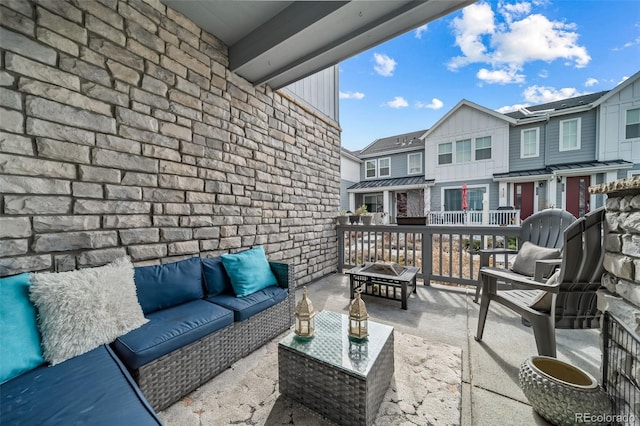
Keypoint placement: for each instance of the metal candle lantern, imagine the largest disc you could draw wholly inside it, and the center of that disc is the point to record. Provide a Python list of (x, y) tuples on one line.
[(358, 316), (305, 322)]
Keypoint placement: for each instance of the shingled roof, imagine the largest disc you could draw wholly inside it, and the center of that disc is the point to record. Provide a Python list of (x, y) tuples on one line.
[(404, 141), (559, 105)]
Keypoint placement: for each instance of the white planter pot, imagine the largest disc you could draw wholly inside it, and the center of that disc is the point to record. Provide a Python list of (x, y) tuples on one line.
[(562, 393)]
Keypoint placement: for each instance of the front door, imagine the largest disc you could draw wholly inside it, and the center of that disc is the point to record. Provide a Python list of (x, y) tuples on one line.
[(577, 195), (523, 193), (401, 204)]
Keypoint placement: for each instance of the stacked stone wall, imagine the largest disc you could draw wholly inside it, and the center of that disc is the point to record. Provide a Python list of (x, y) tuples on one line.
[(621, 293), (123, 132)]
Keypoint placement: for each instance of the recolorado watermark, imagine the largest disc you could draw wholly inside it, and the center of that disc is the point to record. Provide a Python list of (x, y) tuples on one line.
[(605, 418)]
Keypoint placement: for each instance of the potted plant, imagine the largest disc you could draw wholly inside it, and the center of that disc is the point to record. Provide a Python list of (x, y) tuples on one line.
[(367, 218), (342, 218), (355, 217)]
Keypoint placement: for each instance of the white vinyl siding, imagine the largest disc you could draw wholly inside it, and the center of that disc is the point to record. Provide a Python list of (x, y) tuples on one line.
[(370, 169), (632, 126), (414, 163), (483, 148), (570, 134), (384, 167), (463, 151), (529, 143), (445, 154)]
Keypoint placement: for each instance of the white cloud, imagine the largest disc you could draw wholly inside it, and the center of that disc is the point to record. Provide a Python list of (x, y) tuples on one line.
[(384, 64), (435, 104), (398, 102), (511, 108), (543, 73), (591, 82), (477, 20), (507, 44), (504, 76), (351, 95), (420, 30), (544, 94)]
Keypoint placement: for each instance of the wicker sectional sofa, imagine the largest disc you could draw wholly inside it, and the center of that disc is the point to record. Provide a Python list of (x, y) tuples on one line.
[(196, 330), (163, 380)]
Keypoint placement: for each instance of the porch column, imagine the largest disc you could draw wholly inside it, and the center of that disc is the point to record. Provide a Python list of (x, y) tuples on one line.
[(386, 202), (503, 194), (552, 192), (427, 200), (352, 201)]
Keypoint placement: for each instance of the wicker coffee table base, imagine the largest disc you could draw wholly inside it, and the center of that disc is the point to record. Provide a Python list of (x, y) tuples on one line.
[(344, 397)]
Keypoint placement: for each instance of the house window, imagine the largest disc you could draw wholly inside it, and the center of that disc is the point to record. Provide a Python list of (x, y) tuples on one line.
[(384, 167), (370, 169), (463, 151), (374, 203), (570, 134), (445, 153), (632, 129), (483, 148), (529, 143), (414, 163)]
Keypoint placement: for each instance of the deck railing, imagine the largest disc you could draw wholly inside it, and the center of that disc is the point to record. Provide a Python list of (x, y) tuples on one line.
[(475, 217), (444, 253)]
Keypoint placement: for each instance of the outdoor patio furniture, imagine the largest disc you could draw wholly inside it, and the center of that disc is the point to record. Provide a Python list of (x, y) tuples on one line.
[(567, 299), (341, 379), (387, 286), (544, 228)]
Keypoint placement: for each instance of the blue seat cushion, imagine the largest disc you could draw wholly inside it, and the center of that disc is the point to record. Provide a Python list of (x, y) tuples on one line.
[(245, 307), (170, 284), (171, 329), (216, 279), (91, 389)]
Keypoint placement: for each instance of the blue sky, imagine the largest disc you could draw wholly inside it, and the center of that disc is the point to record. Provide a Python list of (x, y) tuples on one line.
[(499, 54)]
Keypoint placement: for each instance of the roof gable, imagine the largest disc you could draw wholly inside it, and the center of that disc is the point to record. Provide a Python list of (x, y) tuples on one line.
[(617, 89), (472, 105)]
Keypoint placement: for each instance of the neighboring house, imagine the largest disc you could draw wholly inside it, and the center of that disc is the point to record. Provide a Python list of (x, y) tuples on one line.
[(349, 175), (392, 177), (540, 156), (467, 147), (619, 126), (553, 157)]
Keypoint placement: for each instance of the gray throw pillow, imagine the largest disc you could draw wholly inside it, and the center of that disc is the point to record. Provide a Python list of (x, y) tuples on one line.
[(81, 310), (542, 301), (529, 253)]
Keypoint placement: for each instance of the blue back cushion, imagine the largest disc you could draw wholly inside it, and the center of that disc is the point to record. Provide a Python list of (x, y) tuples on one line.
[(216, 278), (19, 337), (249, 271), (163, 286)]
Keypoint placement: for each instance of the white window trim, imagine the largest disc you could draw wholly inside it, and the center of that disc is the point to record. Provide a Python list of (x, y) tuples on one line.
[(632, 173), (561, 139), (378, 168), (474, 148), (624, 124), (443, 188), (451, 153), (375, 169), (419, 154), (537, 154)]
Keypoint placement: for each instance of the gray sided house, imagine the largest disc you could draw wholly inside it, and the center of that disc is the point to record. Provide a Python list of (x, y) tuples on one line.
[(553, 157), (392, 177), (467, 147)]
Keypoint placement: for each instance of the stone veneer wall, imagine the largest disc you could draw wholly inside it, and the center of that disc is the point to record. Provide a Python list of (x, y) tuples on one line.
[(621, 280), (123, 132)]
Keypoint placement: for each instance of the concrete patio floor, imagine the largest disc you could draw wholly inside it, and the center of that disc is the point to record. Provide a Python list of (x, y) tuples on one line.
[(490, 394)]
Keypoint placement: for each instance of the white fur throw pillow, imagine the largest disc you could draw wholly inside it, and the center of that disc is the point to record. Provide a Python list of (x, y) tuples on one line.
[(81, 310)]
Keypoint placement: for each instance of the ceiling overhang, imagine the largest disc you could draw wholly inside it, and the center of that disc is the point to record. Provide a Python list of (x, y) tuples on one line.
[(280, 42)]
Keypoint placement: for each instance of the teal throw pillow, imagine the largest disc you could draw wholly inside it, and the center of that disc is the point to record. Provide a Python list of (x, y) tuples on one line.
[(19, 336), (249, 271)]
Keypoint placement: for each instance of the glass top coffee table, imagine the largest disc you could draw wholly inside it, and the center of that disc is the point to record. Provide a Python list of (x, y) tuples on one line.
[(334, 376)]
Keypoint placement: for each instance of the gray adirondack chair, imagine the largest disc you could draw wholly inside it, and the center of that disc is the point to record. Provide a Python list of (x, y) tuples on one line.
[(544, 228), (571, 291)]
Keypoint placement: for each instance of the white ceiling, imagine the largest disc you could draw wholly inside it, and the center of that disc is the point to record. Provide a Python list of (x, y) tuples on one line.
[(279, 42)]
